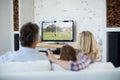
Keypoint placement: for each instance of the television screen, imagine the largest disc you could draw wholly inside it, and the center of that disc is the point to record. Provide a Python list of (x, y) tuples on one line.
[(57, 31)]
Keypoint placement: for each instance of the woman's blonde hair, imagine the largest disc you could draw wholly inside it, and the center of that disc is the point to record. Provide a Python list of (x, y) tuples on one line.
[(89, 45)]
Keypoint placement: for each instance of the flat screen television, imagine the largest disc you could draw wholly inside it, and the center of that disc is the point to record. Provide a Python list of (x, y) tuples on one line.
[(57, 31)]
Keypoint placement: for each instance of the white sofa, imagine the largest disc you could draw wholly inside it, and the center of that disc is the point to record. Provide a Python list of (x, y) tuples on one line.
[(30, 66), (40, 70)]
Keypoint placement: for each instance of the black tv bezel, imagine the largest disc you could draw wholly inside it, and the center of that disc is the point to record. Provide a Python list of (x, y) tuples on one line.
[(42, 40)]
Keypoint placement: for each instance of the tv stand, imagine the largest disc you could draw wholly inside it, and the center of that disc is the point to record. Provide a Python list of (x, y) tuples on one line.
[(49, 45), (55, 47)]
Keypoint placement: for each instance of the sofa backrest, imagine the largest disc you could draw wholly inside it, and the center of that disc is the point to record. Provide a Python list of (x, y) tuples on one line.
[(105, 74), (42, 65), (93, 66), (40, 70)]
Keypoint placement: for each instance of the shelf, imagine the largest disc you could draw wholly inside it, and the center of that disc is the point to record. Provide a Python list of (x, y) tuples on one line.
[(113, 29), (50, 45)]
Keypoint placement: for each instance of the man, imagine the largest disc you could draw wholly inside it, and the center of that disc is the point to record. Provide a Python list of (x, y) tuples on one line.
[(29, 39)]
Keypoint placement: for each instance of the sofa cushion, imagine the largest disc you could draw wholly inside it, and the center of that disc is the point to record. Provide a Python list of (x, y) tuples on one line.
[(42, 65)]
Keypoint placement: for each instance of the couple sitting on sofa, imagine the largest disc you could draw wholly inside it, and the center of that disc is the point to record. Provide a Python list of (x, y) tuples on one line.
[(29, 39)]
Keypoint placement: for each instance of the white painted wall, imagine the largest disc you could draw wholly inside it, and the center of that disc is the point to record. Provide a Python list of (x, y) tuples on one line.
[(6, 25), (26, 11), (87, 14)]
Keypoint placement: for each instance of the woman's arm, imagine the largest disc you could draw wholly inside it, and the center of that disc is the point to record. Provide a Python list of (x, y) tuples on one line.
[(82, 63), (71, 65), (62, 63)]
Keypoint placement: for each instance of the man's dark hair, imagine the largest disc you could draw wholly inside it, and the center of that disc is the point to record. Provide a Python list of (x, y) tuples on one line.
[(28, 33)]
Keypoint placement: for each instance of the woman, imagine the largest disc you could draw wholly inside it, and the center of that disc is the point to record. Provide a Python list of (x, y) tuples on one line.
[(90, 53)]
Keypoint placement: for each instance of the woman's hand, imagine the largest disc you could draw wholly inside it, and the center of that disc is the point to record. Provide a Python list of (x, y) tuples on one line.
[(51, 56)]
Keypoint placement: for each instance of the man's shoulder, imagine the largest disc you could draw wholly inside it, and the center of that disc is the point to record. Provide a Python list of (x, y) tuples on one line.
[(10, 52), (6, 56)]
